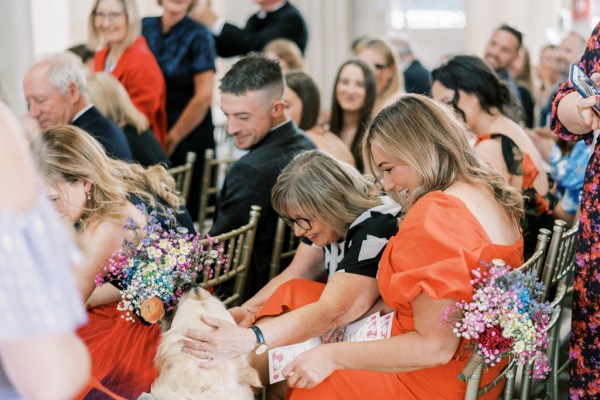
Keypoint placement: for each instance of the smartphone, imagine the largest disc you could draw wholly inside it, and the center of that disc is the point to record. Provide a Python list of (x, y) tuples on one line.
[(583, 84)]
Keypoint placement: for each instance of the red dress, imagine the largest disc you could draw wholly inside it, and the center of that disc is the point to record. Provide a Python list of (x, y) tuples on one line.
[(122, 353), (141, 76), (437, 246)]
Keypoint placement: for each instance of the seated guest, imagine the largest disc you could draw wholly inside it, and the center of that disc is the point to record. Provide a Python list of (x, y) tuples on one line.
[(40, 355), (346, 225), (354, 94), (470, 86), (86, 55), (286, 52), (303, 104), (379, 54), (460, 213), (112, 100), (56, 92), (98, 195), (116, 23), (252, 100)]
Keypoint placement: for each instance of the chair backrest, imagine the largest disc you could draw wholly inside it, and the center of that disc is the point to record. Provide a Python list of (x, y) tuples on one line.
[(284, 247), (561, 256), (559, 262), (183, 175), (535, 262), (212, 180), (238, 245)]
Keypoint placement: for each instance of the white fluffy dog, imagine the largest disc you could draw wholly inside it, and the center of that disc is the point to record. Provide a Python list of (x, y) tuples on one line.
[(180, 376)]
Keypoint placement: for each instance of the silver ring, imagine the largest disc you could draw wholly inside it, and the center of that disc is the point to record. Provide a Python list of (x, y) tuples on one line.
[(293, 374), (206, 355)]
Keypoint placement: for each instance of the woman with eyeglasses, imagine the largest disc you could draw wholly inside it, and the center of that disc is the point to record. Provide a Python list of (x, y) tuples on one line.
[(116, 25), (473, 90), (459, 213), (354, 94), (380, 55), (345, 225)]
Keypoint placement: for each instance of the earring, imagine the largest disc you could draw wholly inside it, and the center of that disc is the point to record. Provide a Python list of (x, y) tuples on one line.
[(89, 196)]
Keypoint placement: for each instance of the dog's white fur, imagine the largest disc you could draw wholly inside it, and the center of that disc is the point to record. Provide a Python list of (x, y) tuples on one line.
[(181, 377)]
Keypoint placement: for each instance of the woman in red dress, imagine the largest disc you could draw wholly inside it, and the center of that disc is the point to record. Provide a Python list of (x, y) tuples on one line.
[(460, 212), (99, 195)]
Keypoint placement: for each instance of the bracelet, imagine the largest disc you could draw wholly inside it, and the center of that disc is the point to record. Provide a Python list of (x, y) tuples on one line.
[(261, 346), (251, 313)]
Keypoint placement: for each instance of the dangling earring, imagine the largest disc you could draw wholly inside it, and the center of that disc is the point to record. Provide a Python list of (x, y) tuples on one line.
[(89, 196)]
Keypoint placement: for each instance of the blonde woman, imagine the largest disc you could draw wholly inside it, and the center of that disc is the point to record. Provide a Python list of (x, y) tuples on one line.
[(98, 195), (112, 100), (379, 54), (459, 212), (345, 225), (286, 52), (115, 24)]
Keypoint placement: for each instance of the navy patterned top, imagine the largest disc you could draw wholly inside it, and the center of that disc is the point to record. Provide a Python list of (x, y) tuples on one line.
[(187, 49)]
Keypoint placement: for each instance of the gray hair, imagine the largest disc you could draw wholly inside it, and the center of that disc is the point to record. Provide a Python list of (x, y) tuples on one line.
[(316, 186), (67, 68)]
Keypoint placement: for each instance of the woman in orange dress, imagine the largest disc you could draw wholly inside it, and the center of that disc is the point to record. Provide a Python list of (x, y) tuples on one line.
[(99, 195), (460, 213)]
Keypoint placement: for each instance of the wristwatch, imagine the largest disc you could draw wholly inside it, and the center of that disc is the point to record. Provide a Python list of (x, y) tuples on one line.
[(261, 346)]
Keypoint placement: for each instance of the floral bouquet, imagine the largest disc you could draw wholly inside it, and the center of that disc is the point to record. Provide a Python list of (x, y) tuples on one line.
[(154, 270), (505, 318)]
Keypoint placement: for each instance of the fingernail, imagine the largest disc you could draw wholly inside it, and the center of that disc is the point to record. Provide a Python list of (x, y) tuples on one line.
[(597, 97)]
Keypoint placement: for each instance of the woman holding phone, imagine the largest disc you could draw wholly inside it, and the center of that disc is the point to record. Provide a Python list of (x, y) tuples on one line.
[(574, 118)]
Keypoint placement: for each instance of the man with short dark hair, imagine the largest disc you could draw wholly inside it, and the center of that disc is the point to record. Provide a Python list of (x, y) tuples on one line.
[(501, 51), (252, 100), (56, 93)]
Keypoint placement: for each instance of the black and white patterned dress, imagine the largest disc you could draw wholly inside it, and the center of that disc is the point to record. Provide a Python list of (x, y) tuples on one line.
[(360, 251)]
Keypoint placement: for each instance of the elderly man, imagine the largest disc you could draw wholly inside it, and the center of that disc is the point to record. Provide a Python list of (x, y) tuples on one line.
[(56, 93), (252, 100)]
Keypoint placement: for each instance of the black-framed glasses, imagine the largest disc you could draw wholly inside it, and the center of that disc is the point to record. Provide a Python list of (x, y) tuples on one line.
[(301, 223)]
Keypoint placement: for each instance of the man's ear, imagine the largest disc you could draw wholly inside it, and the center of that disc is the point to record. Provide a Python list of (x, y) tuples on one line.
[(278, 108), (73, 92)]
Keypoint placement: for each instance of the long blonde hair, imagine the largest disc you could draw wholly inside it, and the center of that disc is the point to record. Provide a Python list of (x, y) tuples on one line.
[(111, 98), (67, 154), (431, 139), (319, 187)]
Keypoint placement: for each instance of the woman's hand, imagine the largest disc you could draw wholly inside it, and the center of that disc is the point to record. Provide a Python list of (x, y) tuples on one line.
[(225, 342), (585, 107), (243, 316), (310, 368)]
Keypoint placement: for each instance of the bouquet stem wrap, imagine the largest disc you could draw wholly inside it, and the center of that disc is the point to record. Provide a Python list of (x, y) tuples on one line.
[(474, 361)]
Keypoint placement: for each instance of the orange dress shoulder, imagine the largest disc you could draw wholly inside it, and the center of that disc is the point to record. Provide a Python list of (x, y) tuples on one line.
[(438, 245)]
